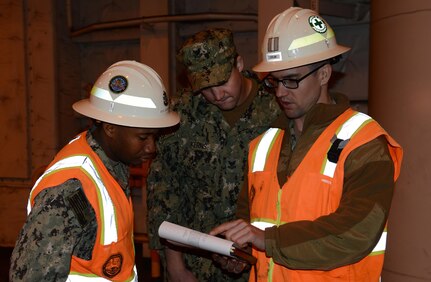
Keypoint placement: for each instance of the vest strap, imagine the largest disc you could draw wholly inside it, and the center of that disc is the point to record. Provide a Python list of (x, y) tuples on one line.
[(107, 211), (263, 148), (340, 140)]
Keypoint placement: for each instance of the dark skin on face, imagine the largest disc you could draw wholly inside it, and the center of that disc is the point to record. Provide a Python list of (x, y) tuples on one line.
[(129, 145)]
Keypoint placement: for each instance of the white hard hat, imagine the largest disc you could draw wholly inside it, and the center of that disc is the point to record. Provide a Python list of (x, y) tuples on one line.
[(131, 94), (297, 37)]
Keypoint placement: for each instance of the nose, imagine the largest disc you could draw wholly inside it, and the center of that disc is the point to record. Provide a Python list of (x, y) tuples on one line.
[(150, 145), (218, 93), (280, 90)]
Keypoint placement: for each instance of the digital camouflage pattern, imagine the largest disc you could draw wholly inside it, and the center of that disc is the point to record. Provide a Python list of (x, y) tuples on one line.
[(53, 233), (208, 57), (199, 170)]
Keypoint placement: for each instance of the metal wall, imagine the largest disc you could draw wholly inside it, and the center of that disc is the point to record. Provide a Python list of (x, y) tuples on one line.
[(400, 99)]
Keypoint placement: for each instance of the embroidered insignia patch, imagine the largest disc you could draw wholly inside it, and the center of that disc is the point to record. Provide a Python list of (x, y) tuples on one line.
[(113, 265), (118, 84)]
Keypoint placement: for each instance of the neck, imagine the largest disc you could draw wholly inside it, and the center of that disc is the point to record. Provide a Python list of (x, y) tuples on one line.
[(100, 137), (298, 124)]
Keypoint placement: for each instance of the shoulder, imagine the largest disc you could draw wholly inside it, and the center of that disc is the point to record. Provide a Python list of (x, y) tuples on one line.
[(374, 150), (59, 192), (188, 104)]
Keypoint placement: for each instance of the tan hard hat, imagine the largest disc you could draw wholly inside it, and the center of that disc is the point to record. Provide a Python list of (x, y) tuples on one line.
[(131, 94), (297, 37)]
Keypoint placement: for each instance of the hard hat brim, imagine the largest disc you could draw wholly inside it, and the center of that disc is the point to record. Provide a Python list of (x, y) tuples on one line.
[(84, 107), (265, 66)]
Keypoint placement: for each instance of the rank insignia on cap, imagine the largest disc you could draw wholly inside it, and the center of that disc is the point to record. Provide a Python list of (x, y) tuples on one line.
[(317, 24), (118, 84)]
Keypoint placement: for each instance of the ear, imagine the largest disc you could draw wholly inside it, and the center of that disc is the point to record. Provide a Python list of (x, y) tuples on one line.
[(325, 74), (108, 129), (239, 63)]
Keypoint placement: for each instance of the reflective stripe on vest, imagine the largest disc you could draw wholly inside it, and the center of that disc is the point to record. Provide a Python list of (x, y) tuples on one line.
[(109, 224), (85, 278), (262, 224), (263, 149), (345, 132), (381, 245)]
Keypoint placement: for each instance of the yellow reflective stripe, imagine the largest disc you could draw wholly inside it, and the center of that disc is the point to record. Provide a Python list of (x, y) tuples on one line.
[(270, 270), (310, 39), (262, 150), (107, 210), (124, 99)]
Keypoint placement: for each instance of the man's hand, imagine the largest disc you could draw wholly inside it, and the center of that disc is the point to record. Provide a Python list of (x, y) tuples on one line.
[(177, 271), (241, 233), (230, 264)]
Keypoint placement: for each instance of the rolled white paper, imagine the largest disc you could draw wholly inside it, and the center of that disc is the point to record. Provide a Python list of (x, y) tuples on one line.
[(190, 237)]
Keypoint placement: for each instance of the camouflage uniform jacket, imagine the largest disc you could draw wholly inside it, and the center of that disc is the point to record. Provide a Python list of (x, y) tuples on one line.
[(52, 232), (196, 178)]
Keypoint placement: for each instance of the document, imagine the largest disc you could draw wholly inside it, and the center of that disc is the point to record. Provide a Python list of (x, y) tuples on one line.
[(193, 238)]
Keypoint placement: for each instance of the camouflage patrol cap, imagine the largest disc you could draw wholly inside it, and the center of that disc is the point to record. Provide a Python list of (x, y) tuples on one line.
[(208, 57)]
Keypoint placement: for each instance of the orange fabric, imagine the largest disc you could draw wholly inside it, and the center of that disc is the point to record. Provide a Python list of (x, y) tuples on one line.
[(105, 258), (307, 195)]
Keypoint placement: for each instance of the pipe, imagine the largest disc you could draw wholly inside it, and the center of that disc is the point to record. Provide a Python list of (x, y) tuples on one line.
[(163, 19)]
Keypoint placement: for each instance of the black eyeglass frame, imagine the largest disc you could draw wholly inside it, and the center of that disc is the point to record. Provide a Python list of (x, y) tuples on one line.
[(285, 81)]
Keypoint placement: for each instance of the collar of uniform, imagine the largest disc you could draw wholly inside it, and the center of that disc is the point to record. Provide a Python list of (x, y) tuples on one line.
[(324, 114), (118, 170)]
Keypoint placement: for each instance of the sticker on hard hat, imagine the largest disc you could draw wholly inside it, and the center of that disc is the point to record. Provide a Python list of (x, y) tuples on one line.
[(118, 84), (165, 99), (274, 57), (317, 24)]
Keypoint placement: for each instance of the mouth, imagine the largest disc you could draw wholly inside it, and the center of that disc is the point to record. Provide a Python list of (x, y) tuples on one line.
[(284, 102), (147, 157)]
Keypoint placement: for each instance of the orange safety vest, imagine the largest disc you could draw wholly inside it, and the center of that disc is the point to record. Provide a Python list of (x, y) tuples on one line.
[(113, 257), (314, 190)]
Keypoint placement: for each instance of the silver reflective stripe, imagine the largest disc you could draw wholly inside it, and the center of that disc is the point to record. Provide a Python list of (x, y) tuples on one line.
[(124, 99), (263, 149), (262, 224), (85, 278), (381, 245), (346, 132), (107, 211)]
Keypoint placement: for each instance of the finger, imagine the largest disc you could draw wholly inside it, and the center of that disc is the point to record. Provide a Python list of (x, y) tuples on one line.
[(224, 227)]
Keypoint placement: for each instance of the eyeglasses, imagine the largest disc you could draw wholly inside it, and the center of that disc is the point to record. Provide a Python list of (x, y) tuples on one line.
[(290, 83)]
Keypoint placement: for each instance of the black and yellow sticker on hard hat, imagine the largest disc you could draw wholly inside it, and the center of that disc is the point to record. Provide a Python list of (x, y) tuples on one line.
[(317, 23), (118, 84), (165, 99)]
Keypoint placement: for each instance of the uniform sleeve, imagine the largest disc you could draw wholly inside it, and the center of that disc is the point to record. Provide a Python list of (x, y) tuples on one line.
[(352, 231), (45, 244), (163, 195), (243, 206)]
